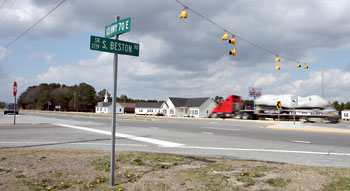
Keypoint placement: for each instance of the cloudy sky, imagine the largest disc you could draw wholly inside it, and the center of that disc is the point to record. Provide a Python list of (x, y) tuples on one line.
[(180, 57)]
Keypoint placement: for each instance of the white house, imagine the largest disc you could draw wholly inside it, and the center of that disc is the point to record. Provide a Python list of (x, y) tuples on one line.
[(345, 115), (149, 108), (188, 107), (107, 107)]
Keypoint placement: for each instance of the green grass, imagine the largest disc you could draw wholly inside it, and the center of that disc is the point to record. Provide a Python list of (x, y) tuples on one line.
[(247, 181), (340, 184), (277, 182)]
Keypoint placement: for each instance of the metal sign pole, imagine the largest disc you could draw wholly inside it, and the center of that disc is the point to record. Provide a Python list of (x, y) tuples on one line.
[(115, 73), (14, 116), (294, 114)]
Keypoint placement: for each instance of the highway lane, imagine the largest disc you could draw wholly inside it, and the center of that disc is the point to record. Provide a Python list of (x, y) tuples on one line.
[(219, 138)]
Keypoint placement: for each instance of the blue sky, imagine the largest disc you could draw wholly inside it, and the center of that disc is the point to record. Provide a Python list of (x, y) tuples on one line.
[(184, 58)]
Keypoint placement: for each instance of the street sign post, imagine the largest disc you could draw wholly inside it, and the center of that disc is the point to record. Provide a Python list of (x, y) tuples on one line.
[(254, 92), (294, 103), (117, 28), (14, 94), (114, 46), (117, 47), (279, 106)]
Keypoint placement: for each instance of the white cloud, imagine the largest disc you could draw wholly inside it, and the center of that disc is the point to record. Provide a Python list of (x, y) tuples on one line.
[(3, 52), (48, 56)]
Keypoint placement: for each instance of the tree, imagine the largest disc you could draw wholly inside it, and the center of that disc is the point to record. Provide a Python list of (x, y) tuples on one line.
[(218, 99), (2, 104), (100, 96), (347, 105)]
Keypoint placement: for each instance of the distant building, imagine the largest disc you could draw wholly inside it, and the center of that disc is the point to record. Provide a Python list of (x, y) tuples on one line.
[(128, 107), (149, 108), (107, 107), (345, 115), (103, 107), (188, 107)]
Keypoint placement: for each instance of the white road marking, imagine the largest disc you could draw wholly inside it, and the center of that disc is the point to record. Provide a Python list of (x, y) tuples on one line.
[(214, 122), (296, 141), (227, 129), (154, 127), (268, 150), (208, 133), (160, 143), (87, 143)]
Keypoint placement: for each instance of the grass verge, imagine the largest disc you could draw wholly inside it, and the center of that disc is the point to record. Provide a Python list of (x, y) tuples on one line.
[(42, 169)]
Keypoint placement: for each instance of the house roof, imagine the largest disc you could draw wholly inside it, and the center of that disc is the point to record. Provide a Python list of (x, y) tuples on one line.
[(149, 104), (104, 104), (188, 102), (128, 105)]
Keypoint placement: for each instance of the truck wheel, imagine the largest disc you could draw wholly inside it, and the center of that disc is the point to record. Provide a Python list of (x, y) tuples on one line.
[(245, 116), (303, 119), (238, 116)]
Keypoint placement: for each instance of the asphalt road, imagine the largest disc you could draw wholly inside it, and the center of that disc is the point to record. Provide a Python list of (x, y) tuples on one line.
[(214, 138)]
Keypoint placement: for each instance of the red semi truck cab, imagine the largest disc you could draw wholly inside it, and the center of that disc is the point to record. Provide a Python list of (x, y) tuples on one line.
[(228, 107)]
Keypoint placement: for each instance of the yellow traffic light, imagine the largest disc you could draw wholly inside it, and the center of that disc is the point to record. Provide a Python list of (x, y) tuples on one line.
[(232, 40), (278, 59), (306, 67), (225, 36), (298, 65), (232, 52), (183, 14), (278, 68)]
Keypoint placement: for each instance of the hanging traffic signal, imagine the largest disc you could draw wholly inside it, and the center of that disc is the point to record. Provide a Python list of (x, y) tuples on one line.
[(298, 65), (225, 36), (306, 67), (232, 52), (183, 14), (278, 59), (232, 40)]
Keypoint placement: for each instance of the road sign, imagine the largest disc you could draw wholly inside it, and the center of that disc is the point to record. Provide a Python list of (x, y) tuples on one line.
[(14, 89), (279, 105), (118, 27), (254, 92), (114, 46), (294, 101)]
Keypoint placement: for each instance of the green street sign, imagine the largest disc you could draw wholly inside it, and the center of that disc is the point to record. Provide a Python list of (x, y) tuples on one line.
[(119, 27), (114, 46)]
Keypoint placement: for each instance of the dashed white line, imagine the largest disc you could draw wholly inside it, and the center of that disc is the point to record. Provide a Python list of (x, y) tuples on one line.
[(208, 133), (296, 141), (218, 128), (160, 143)]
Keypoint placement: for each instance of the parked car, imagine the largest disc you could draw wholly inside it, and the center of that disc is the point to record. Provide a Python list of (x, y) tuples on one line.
[(10, 108)]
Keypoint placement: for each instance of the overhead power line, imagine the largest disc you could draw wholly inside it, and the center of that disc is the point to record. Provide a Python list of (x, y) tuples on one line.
[(36, 23), (238, 36)]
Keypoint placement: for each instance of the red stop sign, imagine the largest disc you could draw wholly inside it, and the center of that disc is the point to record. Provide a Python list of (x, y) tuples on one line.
[(14, 89)]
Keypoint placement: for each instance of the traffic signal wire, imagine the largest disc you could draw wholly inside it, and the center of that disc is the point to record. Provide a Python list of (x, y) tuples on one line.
[(243, 39), (36, 23)]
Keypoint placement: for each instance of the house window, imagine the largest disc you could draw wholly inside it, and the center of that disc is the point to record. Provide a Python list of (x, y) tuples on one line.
[(140, 110), (195, 112), (346, 114), (171, 112)]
